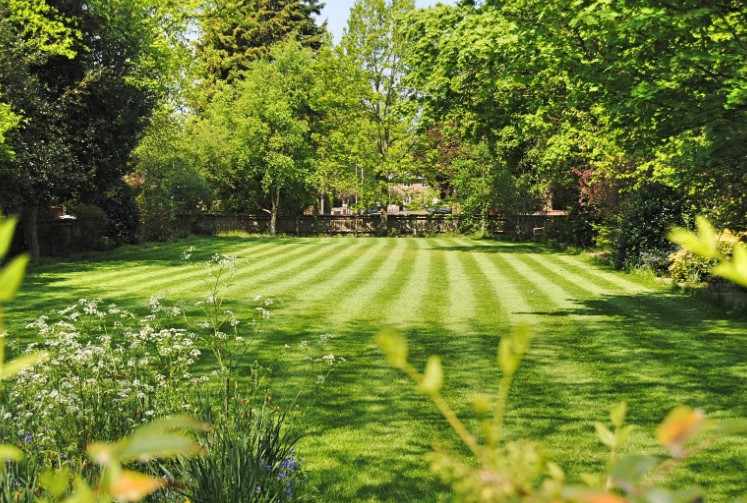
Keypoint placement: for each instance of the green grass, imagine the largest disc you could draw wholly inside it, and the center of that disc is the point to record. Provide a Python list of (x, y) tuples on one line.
[(601, 337)]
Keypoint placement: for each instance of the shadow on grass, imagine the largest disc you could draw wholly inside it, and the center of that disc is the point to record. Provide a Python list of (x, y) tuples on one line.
[(504, 247), (368, 428)]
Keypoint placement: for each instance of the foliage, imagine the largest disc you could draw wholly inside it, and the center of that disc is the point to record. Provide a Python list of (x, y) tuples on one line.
[(170, 183), (343, 166), (374, 40), (520, 471), (638, 91), (578, 228), (90, 227), (161, 439), (707, 245), (250, 457), (238, 32), (8, 120), (254, 138), (640, 231), (122, 212), (11, 277), (686, 266), (83, 108)]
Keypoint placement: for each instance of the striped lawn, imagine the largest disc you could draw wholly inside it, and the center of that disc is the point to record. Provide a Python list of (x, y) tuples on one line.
[(600, 337)]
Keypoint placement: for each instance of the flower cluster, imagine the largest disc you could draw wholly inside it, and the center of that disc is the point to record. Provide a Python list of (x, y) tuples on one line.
[(99, 360)]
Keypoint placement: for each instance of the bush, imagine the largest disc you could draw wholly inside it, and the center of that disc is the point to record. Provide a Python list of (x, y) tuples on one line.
[(123, 213), (182, 194), (578, 228), (639, 236), (90, 227), (687, 267)]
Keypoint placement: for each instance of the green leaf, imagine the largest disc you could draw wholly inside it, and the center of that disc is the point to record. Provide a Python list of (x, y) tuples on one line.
[(394, 346), (704, 243), (592, 480), (631, 469), (14, 366), (433, 377), (555, 471), (155, 445), (55, 482), (732, 426), (6, 234), (734, 270), (605, 435), (623, 433), (658, 495), (82, 493), (512, 348), (10, 452), (481, 404), (172, 423), (11, 277), (618, 413)]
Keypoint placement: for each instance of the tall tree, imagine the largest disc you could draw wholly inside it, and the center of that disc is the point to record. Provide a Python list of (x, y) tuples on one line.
[(374, 38), (254, 138), (345, 155), (83, 108), (237, 32)]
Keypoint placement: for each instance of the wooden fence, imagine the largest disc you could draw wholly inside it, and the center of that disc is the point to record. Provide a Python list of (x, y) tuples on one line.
[(367, 225)]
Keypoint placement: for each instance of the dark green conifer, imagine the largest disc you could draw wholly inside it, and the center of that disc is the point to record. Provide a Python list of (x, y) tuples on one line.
[(237, 32)]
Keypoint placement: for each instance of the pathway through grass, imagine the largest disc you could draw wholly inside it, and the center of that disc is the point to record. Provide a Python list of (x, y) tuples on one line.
[(601, 337)]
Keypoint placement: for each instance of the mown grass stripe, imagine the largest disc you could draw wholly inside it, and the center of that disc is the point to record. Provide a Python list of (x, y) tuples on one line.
[(123, 272), (489, 309), (317, 305), (190, 274), (459, 296), (350, 302), (591, 271), (387, 286), (574, 286), (511, 300), (249, 282), (403, 311), (437, 282), (556, 295), (312, 277)]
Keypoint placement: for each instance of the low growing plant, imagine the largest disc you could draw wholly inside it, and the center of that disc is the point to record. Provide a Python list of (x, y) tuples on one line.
[(250, 456), (517, 471), (107, 372)]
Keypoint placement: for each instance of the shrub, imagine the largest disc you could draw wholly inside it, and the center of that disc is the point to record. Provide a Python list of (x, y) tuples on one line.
[(639, 237), (181, 194), (578, 228), (122, 212), (687, 267), (90, 227)]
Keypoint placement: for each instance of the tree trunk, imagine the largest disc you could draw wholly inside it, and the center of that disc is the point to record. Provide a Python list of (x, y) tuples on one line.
[(274, 212), (30, 231)]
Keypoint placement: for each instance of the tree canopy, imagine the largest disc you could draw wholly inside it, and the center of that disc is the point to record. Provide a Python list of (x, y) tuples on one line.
[(235, 33)]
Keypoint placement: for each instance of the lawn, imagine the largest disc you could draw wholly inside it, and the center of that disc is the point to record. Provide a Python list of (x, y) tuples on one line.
[(601, 337)]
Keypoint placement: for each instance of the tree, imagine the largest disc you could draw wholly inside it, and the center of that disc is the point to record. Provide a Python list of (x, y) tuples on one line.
[(345, 156), (374, 38), (253, 141), (83, 105), (237, 32)]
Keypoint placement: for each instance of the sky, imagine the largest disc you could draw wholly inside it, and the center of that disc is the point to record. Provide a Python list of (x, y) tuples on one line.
[(336, 12)]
